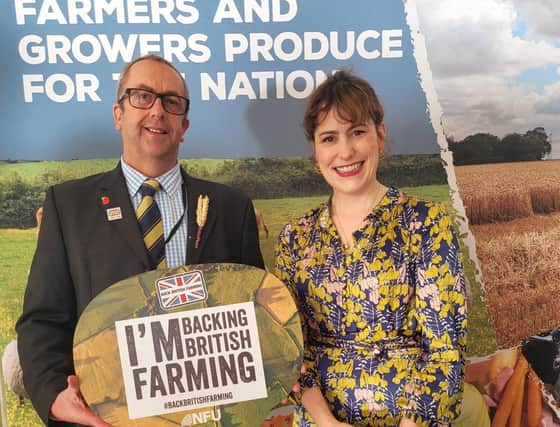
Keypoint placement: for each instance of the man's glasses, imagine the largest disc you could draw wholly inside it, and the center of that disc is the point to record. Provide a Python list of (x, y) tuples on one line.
[(145, 99)]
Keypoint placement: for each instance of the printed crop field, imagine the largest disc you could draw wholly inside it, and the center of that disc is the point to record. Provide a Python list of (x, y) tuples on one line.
[(521, 274), (506, 191), (80, 168), (20, 244), (514, 212)]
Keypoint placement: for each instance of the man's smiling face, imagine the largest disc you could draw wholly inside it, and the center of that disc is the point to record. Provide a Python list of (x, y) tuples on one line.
[(151, 137)]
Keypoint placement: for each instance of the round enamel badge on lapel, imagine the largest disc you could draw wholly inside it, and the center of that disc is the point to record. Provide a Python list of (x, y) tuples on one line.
[(208, 344)]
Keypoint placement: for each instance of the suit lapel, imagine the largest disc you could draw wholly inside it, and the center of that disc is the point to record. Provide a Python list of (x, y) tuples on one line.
[(113, 194), (194, 189)]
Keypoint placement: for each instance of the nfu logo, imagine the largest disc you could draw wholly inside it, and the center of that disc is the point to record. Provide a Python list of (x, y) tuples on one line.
[(200, 417)]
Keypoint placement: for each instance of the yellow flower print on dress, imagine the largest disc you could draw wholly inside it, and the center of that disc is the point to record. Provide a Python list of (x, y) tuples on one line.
[(384, 327)]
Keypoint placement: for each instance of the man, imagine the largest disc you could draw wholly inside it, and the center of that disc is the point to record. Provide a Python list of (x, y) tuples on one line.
[(90, 236)]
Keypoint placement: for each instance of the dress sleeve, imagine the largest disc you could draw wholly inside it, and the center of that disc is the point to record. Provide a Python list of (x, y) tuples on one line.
[(434, 391), (284, 269)]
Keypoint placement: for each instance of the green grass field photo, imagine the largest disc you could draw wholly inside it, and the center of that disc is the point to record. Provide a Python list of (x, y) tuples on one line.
[(18, 245)]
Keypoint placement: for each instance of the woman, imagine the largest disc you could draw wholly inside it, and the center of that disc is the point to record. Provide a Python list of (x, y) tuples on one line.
[(377, 279)]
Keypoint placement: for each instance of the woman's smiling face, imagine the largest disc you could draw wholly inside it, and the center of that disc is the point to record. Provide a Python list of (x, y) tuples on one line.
[(348, 153)]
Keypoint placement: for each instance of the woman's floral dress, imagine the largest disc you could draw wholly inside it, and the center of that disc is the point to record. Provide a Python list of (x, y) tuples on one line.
[(384, 322)]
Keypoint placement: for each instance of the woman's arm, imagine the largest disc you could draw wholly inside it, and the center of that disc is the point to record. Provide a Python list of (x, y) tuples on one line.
[(406, 422), (312, 397), (314, 402), (284, 262), (434, 390)]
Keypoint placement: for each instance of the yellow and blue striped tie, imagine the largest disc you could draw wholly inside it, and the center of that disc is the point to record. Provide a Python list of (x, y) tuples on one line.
[(151, 224)]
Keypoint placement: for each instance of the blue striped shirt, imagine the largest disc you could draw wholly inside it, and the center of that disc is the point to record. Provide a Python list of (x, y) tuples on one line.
[(170, 202)]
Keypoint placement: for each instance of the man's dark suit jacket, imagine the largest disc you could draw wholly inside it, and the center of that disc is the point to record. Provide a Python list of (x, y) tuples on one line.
[(80, 253)]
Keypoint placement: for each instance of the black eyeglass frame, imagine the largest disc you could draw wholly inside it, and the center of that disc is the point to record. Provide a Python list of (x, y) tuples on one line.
[(157, 95)]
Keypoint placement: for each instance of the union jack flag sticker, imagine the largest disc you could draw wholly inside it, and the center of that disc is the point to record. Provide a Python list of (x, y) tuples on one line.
[(181, 289)]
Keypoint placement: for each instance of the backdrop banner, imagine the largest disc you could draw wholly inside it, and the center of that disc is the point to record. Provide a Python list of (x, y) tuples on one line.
[(249, 65), (141, 351)]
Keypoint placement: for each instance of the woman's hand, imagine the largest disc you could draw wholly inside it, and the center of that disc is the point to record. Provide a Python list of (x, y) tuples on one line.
[(405, 422), (296, 389), (315, 403), (334, 423)]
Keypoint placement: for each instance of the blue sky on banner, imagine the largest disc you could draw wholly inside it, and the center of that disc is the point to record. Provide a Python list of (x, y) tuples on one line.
[(495, 64), (248, 71)]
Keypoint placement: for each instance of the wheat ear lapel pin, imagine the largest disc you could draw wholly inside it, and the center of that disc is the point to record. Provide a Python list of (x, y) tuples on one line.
[(201, 216)]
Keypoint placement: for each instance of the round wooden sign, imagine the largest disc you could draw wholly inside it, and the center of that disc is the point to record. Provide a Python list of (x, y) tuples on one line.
[(208, 344)]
